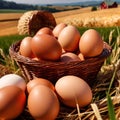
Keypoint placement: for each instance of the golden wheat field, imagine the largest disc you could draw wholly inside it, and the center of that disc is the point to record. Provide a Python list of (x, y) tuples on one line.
[(80, 17)]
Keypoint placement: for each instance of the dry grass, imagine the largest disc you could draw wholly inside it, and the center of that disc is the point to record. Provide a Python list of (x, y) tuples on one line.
[(65, 14), (10, 27), (107, 17), (79, 17), (9, 16), (7, 26)]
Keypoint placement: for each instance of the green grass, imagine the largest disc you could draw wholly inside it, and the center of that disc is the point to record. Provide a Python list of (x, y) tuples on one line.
[(6, 41), (111, 110), (11, 11), (104, 31)]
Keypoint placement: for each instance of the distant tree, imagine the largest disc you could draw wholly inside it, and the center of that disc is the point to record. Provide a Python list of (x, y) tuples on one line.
[(94, 8)]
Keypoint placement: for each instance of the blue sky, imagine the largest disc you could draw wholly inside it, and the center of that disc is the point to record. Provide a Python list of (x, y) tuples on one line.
[(48, 1)]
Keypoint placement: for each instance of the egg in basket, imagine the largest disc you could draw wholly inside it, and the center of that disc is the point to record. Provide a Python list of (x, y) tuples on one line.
[(58, 51)]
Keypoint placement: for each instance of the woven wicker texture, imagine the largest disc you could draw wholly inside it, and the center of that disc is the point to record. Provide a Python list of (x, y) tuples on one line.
[(30, 22), (52, 71)]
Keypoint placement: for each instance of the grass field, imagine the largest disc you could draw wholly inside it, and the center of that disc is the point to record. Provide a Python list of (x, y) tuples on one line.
[(11, 11)]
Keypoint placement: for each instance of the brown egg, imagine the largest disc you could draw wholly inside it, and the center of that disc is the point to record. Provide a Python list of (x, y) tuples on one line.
[(81, 56), (58, 28), (43, 103), (46, 47), (69, 38), (25, 47), (39, 81), (91, 43), (12, 102), (69, 56), (73, 90), (45, 30)]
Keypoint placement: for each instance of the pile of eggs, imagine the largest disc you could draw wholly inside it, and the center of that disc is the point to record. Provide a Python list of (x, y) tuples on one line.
[(63, 43), (43, 98), (40, 96)]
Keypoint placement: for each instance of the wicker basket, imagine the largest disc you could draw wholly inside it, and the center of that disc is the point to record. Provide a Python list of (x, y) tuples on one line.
[(31, 21), (52, 71)]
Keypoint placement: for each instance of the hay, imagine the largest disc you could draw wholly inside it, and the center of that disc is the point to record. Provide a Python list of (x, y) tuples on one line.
[(100, 18)]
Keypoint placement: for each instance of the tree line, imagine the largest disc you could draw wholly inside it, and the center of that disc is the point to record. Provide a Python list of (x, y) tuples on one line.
[(12, 5)]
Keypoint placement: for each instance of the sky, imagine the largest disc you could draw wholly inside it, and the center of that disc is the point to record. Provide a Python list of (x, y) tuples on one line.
[(47, 1)]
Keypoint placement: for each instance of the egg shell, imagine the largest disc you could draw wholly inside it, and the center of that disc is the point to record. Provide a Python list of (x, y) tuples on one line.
[(91, 43), (43, 103), (69, 38), (45, 30), (73, 90), (25, 47), (12, 102), (69, 56), (36, 59), (13, 79), (58, 28), (46, 47), (39, 81), (81, 56)]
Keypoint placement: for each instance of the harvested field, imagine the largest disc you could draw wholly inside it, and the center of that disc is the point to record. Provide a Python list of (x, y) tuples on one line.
[(71, 12), (8, 28), (79, 17), (107, 17), (9, 16), (8, 23)]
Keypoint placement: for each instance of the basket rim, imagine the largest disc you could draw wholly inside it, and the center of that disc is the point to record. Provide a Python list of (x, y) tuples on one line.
[(14, 53)]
